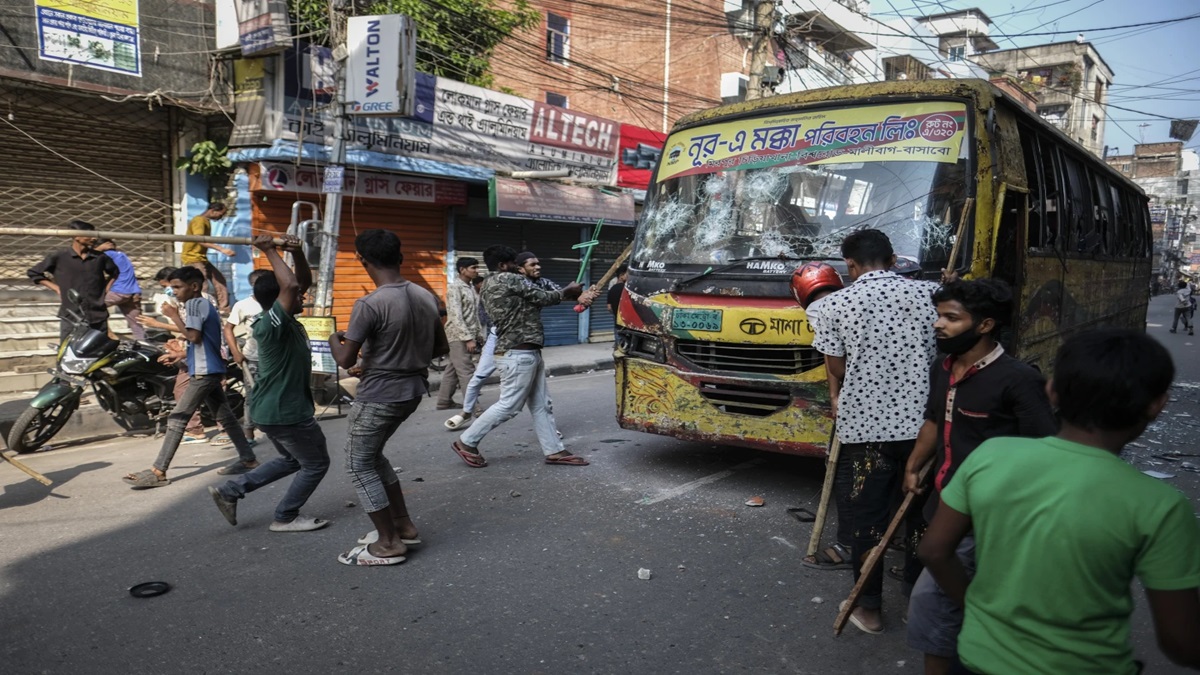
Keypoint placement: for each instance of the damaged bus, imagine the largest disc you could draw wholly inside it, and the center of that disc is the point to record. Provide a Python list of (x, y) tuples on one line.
[(712, 346)]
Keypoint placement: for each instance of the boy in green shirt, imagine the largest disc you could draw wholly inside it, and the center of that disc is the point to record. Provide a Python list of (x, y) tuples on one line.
[(1062, 525), (281, 403)]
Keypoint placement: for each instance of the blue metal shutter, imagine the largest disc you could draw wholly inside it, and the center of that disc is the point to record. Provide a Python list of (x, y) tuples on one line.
[(613, 240)]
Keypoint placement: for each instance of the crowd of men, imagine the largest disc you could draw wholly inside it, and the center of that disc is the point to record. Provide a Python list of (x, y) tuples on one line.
[(1030, 528)]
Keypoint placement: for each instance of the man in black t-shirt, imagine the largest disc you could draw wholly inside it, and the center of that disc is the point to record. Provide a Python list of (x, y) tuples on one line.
[(977, 392), (614, 293)]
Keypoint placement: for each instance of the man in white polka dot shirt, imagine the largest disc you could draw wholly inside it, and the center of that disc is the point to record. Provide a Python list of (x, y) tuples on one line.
[(878, 333)]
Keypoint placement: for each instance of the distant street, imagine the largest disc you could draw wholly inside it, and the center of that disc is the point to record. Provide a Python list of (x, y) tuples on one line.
[(526, 568)]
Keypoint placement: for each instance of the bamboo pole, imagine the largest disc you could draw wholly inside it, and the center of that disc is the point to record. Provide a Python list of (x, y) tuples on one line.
[(128, 236), (814, 541), (8, 457)]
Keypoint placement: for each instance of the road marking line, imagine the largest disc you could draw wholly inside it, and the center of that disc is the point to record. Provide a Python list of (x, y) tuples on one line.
[(699, 482)]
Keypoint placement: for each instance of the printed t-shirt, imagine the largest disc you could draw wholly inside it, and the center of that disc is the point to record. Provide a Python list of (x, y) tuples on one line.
[(241, 317), (204, 357), (396, 325), (1061, 529), (283, 391)]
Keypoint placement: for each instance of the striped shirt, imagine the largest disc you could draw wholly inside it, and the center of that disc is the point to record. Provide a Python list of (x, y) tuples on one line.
[(204, 357)]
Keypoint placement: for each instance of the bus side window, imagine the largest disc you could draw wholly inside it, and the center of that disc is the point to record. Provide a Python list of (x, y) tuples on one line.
[(1036, 237), (1122, 228), (1052, 192), (1103, 219), (1080, 234)]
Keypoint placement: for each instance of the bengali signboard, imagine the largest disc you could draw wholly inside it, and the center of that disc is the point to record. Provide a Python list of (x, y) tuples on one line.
[(263, 26), (923, 132), (279, 177), (452, 122), (319, 328), (542, 200), (101, 34)]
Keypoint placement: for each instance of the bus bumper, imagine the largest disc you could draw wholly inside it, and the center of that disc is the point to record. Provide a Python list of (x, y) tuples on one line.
[(774, 415)]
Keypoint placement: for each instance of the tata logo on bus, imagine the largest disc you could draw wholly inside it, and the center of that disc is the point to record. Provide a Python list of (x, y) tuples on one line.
[(767, 266), (753, 326)]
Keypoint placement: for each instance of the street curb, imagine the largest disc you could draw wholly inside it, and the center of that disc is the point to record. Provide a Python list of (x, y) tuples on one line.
[(91, 422)]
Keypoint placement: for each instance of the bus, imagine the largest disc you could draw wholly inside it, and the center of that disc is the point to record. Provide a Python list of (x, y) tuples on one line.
[(712, 346)]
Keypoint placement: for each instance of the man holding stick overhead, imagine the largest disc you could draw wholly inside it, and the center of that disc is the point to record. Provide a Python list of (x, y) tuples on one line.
[(878, 336)]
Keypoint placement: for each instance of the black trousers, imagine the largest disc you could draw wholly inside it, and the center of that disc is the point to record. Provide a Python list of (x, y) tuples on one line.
[(876, 472)]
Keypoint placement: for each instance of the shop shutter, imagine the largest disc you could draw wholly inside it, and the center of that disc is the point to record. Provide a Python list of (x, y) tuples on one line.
[(124, 145), (552, 243), (422, 232), (613, 240)]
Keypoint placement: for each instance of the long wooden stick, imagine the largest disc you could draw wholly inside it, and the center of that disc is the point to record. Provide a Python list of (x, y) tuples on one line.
[(612, 271), (835, 449), (128, 236), (874, 558), (958, 237), (21, 465)]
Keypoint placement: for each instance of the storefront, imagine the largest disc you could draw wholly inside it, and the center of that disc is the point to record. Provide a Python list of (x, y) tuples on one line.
[(415, 208)]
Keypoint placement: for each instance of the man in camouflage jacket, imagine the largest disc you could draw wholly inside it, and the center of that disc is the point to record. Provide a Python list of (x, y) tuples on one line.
[(514, 306)]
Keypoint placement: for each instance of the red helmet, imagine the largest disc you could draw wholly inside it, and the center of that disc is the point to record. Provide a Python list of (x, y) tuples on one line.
[(810, 278)]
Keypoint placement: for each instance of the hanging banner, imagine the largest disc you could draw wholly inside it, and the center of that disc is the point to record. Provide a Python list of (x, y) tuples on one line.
[(263, 26), (280, 177), (543, 200), (381, 67), (249, 101), (922, 132), (101, 34)]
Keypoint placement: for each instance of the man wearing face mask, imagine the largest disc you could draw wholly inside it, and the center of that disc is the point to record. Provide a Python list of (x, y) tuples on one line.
[(977, 392)]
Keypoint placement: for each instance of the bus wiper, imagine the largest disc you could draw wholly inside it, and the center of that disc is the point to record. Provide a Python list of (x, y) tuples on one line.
[(728, 266)]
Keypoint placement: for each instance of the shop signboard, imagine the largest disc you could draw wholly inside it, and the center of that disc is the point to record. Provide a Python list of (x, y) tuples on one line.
[(381, 66), (543, 200), (101, 34), (640, 150), (319, 328), (263, 26), (290, 179)]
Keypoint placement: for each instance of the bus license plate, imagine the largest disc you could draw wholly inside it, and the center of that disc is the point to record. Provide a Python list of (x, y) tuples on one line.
[(697, 319)]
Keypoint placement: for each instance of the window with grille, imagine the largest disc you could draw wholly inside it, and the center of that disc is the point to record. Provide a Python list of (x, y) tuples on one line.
[(558, 33), (556, 99)]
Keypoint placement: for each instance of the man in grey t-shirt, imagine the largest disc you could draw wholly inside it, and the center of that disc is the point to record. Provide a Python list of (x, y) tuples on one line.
[(398, 331)]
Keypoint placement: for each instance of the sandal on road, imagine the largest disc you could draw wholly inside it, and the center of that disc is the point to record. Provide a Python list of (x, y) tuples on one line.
[(566, 460), (473, 459), (359, 555), (458, 421), (300, 524), (835, 557), (373, 536), (144, 480)]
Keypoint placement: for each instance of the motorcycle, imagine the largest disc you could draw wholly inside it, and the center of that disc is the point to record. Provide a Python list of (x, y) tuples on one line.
[(125, 376)]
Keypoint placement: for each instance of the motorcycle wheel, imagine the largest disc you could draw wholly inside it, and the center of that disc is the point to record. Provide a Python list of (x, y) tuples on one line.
[(37, 426)]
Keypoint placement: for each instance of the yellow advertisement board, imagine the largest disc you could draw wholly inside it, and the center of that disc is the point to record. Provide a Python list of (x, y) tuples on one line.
[(100, 34), (931, 131), (319, 328)]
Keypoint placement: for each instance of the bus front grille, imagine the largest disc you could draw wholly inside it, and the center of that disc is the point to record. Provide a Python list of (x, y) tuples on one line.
[(766, 359), (734, 398)]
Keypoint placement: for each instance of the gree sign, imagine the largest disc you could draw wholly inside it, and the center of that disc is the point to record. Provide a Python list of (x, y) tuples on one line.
[(380, 75)]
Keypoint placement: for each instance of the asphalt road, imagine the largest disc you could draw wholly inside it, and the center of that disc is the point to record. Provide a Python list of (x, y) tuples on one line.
[(526, 568)]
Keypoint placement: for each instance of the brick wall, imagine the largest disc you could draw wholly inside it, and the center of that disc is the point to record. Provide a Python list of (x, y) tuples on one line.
[(617, 59)]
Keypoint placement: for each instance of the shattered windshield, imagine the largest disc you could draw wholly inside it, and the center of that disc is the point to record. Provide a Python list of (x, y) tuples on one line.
[(799, 200)]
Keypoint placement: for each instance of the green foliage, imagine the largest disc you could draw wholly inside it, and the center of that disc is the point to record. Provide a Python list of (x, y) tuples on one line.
[(206, 159), (455, 38)]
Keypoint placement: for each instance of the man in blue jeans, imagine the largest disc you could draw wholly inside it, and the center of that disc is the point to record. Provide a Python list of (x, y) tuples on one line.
[(398, 331), (514, 306), (201, 328), (281, 404)]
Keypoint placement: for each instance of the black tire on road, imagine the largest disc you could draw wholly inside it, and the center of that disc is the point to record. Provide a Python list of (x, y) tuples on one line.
[(37, 426)]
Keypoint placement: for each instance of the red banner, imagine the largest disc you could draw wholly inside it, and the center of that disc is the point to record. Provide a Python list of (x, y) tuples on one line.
[(640, 150)]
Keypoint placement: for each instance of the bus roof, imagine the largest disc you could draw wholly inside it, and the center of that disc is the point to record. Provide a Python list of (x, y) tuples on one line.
[(980, 91)]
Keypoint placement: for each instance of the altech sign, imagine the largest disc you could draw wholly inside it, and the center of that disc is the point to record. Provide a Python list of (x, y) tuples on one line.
[(380, 76)]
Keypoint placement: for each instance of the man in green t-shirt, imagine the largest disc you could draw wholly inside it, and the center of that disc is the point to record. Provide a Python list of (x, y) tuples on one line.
[(281, 404), (1062, 525)]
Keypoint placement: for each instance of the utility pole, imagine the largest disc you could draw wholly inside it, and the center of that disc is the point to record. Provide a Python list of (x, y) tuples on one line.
[(764, 30), (337, 157)]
